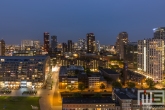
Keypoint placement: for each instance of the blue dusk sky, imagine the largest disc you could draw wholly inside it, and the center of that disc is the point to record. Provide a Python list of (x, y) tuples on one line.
[(72, 19)]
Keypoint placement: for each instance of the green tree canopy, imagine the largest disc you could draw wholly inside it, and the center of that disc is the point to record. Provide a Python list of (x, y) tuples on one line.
[(77, 94), (116, 84), (102, 86), (76, 72), (88, 71), (70, 88), (130, 84), (97, 95), (150, 83), (81, 86)]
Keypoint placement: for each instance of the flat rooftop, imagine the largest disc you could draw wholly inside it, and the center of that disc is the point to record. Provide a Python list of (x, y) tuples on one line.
[(73, 67), (23, 57), (126, 93), (95, 74), (109, 71), (84, 100)]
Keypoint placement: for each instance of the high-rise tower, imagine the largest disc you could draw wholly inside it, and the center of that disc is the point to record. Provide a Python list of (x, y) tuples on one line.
[(46, 41), (159, 33), (70, 45), (64, 47), (151, 58), (122, 40), (90, 43), (53, 43), (2, 47)]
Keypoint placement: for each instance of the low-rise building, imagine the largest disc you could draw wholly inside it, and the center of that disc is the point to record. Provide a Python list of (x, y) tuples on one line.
[(92, 103), (127, 98), (95, 80), (68, 81)]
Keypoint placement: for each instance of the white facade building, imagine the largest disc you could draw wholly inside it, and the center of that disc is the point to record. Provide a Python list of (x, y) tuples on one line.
[(30, 43), (151, 58)]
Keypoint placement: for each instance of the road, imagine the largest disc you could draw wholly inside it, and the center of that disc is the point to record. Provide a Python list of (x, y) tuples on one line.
[(51, 99)]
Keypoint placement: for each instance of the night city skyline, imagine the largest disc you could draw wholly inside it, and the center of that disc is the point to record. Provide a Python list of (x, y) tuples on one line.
[(82, 55), (74, 19)]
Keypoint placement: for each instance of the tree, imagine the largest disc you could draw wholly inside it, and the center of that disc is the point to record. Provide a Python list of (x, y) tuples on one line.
[(102, 86), (88, 71), (116, 84), (77, 95), (130, 84), (81, 86), (150, 83), (70, 88), (97, 95), (76, 72)]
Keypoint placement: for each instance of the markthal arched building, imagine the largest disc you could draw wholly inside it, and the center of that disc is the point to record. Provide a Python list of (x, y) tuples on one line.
[(23, 71)]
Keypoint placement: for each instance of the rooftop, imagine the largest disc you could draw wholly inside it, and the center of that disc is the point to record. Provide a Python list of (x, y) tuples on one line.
[(73, 67), (158, 29), (84, 100), (126, 93), (109, 71), (24, 57), (95, 74)]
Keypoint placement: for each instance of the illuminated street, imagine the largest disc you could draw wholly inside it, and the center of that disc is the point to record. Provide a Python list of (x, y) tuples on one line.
[(50, 99)]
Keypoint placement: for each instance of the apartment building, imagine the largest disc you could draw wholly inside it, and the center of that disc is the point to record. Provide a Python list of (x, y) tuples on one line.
[(151, 58), (23, 71)]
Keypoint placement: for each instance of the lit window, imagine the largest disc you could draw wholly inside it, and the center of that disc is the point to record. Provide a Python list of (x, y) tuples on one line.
[(2, 60)]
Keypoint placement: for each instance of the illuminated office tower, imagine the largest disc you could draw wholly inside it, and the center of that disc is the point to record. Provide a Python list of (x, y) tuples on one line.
[(82, 44), (150, 59), (46, 41), (2, 47), (36, 44), (75, 47), (122, 40), (97, 46), (90, 43), (54, 43), (159, 33)]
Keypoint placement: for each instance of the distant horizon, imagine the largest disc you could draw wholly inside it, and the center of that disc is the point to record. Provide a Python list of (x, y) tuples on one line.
[(71, 20)]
